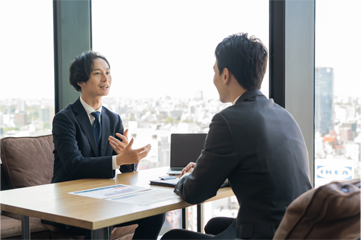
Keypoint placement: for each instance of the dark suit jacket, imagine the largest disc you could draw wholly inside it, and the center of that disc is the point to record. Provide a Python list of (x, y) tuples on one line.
[(76, 153), (259, 147)]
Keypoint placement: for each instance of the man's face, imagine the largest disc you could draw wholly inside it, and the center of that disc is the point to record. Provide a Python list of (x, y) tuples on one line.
[(217, 80), (99, 81), (173, 218)]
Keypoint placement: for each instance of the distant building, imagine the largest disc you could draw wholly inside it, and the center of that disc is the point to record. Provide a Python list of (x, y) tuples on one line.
[(163, 151), (344, 113), (324, 100), (21, 118), (346, 134), (45, 114), (319, 149), (352, 151), (192, 109), (176, 113), (198, 96), (121, 109), (20, 105), (187, 128)]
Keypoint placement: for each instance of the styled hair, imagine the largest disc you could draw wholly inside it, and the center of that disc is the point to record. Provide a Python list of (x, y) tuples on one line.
[(245, 57), (81, 67)]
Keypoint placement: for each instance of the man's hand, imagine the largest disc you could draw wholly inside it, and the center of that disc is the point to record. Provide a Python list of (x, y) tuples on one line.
[(130, 156), (188, 169), (117, 145)]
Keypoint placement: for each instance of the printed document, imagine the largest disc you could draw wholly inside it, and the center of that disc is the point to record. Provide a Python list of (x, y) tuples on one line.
[(110, 191)]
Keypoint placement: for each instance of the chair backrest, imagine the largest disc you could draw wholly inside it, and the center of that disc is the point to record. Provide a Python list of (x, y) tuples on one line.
[(331, 211), (27, 161), (4, 180)]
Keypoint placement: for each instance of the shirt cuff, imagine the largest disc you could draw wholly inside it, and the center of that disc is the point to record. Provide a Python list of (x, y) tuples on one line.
[(114, 162), (185, 175)]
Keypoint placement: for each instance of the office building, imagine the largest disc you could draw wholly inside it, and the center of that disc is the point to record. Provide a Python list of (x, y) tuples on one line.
[(324, 100), (21, 118), (198, 96)]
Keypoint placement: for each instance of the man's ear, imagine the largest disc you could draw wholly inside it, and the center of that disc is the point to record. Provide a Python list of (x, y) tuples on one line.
[(226, 76), (81, 84)]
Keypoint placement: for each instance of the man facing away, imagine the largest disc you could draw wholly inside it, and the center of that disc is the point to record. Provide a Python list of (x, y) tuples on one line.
[(255, 144), (87, 137)]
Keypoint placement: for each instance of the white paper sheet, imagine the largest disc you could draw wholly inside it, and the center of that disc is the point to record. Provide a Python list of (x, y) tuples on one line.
[(110, 191), (146, 198)]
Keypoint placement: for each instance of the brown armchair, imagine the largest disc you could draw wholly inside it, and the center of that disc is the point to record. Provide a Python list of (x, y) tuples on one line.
[(331, 211), (28, 161)]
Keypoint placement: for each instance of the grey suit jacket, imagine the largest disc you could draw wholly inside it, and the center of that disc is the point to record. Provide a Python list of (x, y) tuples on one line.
[(259, 147)]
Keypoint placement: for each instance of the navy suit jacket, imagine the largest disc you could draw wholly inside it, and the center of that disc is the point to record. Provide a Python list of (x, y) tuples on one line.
[(75, 150), (259, 147)]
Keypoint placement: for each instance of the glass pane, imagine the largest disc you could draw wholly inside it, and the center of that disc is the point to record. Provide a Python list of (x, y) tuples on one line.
[(162, 55), (337, 91), (27, 82), (173, 220)]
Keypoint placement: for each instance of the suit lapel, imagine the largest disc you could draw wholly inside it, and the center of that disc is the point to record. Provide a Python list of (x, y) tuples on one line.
[(83, 120), (105, 132)]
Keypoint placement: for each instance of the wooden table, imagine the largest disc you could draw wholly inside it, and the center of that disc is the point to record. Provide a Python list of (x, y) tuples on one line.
[(52, 202)]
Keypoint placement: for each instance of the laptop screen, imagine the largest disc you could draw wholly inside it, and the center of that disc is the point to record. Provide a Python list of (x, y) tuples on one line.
[(185, 148)]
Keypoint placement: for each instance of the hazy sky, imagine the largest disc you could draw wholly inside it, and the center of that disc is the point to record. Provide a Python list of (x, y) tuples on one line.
[(338, 39), (26, 45), (167, 47), (159, 48)]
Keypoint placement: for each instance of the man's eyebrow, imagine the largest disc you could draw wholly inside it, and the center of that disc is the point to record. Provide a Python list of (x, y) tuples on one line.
[(99, 69)]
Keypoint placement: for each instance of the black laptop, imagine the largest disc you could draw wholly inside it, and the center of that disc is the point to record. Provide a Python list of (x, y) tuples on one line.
[(184, 148)]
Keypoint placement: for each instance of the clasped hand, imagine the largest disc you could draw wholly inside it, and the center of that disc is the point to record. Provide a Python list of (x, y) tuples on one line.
[(124, 151)]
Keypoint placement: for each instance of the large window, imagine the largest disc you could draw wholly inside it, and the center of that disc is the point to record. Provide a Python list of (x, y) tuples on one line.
[(337, 91), (161, 55), (27, 81)]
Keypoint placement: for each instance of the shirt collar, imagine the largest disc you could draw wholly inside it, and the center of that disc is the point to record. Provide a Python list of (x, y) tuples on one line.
[(234, 102), (88, 108)]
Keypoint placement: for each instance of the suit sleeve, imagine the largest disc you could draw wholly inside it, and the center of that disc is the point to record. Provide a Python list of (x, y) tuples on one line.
[(127, 167), (217, 160), (72, 160)]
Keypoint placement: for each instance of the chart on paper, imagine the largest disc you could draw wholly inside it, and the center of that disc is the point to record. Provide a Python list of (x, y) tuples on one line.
[(146, 197), (110, 191)]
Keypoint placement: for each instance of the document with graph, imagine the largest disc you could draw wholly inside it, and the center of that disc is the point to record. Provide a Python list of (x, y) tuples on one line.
[(110, 191)]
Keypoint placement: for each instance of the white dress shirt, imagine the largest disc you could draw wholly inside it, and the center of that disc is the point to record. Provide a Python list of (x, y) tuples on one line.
[(89, 111), (234, 102)]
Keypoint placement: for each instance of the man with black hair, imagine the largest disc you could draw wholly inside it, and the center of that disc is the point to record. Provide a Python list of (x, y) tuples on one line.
[(255, 144), (89, 139)]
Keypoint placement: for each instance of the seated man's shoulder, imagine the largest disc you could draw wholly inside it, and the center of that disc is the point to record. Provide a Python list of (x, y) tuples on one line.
[(232, 111), (67, 116), (64, 113), (109, 113)]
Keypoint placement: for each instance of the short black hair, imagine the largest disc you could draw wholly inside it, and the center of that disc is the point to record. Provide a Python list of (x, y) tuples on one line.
[(81, 67), (245, 57)]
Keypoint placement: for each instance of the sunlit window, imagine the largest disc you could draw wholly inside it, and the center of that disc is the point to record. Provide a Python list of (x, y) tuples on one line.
[(27, 81), (162, 55), (337, 91)]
